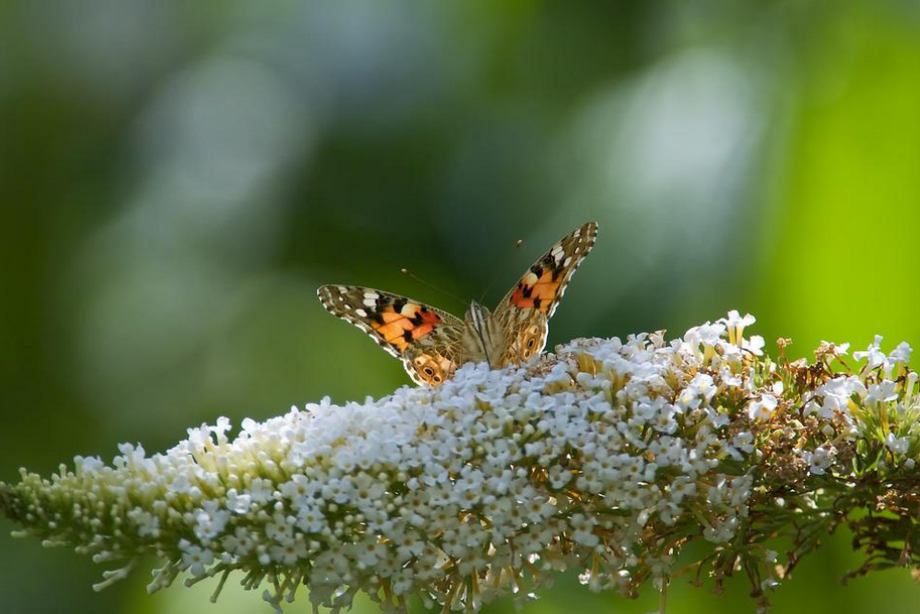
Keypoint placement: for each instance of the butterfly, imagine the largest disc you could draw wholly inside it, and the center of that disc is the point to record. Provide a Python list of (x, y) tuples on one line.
[(432, 343)]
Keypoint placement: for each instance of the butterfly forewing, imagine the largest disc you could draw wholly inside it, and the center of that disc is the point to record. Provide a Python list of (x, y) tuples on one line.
[(525, 311), (427, 340)]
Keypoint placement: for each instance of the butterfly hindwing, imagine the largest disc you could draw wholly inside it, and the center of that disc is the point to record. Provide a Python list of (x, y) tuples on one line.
[(424, 338), (525, 311)]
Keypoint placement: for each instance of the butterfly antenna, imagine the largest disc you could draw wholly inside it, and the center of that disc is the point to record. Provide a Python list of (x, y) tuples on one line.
[(431, 286), (517, 245)]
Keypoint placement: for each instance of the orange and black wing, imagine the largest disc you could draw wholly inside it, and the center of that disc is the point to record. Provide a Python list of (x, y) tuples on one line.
[(525, 311), (425, 339)]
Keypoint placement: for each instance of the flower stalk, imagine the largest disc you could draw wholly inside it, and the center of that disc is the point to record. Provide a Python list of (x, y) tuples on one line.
[(607, 457)]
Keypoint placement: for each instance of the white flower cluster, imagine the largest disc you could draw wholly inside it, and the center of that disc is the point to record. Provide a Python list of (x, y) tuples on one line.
[(846, 397), (482, 486)]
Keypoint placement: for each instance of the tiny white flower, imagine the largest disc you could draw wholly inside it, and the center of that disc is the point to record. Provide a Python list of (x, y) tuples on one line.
[(195, 558), (873, 355), (834, 349), (744, 441), (754, 345), (736, 323), (897, 445), (883, 392), (819, 459), (763, 408), (901, 353), (837, 392)]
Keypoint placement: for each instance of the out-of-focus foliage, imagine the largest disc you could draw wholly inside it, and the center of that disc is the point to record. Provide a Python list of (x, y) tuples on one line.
[(177, 178)]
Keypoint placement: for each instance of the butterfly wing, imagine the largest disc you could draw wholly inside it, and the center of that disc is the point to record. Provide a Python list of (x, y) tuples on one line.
[(425, 339), (525, 311)]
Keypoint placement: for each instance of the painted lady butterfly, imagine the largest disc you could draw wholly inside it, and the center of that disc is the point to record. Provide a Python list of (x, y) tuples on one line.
[(432, 343)]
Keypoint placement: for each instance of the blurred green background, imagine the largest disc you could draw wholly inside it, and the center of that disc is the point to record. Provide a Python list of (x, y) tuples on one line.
[(176, 179)]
